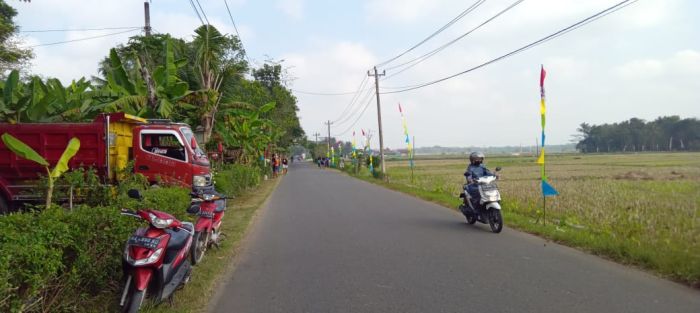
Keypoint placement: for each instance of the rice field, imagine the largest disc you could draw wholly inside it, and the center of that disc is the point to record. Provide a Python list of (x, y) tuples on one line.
[(640, 209)]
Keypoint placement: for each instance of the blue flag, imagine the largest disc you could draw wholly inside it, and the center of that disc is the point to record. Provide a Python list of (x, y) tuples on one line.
[(548, 190)]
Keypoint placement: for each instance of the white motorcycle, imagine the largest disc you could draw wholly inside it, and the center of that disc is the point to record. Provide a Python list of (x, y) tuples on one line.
[(487, 209)]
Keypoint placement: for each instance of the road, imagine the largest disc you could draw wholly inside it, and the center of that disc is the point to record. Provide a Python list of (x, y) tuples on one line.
[(326, 242)]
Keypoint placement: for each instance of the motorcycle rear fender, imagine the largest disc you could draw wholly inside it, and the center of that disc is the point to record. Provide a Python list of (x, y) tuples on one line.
[(203, 224), (493, 205), (142, 276)]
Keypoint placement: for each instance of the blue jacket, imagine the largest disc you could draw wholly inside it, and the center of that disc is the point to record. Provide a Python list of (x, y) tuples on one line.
[(474, 171)]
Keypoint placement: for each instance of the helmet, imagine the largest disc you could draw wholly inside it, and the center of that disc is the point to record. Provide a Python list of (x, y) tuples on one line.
[(476, 158)]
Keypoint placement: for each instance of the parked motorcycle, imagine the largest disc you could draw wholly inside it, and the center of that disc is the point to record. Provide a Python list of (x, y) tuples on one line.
[(209, 207), (155, 259), (486, 209)]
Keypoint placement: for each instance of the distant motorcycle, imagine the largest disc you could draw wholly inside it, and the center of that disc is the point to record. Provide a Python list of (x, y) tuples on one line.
[(486, 209)]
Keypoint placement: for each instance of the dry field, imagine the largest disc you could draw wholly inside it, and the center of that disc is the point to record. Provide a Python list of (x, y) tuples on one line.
[(642, 209)]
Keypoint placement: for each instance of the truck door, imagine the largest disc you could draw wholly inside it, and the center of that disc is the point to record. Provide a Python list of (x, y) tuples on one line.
[(160, 155)]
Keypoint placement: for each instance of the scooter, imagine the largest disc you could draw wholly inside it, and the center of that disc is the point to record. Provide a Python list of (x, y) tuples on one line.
[(209, 208), (155, 259), (487, 209)]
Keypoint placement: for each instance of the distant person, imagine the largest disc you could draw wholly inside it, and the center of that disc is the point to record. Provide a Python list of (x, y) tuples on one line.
[(273, 163), (285, 166), (475, 170), (318, 162)]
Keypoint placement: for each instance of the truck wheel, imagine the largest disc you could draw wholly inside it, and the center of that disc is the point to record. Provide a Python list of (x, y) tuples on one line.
[(4, 206)]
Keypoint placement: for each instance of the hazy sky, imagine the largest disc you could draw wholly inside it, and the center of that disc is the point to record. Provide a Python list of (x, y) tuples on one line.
[(642, 61)]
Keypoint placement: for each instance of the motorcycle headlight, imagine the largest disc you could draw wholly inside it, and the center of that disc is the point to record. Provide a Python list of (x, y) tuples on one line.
[(149, 260), (201, 180), (159, 222), (208, 197)]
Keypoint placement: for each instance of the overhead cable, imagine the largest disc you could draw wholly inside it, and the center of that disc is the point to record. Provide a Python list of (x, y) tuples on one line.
[(450, 23), (561, 32), (415, 61), (76, 29), (354, 99), (82, 39)]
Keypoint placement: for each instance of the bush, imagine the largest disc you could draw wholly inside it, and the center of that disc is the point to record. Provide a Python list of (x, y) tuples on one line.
[(234, 179), (55, 260)]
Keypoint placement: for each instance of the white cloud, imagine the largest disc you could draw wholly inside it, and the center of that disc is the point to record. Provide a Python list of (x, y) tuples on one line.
[(293, 8), (682, 63)]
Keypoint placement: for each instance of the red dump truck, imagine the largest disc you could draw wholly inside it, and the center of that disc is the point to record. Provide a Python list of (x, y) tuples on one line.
[(161, 150)]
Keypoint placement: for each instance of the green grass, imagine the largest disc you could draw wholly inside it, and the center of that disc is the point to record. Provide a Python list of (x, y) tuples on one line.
[(639, 209), (207, 275)]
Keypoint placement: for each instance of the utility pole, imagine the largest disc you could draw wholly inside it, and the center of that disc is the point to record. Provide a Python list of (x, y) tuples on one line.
[(316, 134), (147, 13), (379, 118), (329, 136)]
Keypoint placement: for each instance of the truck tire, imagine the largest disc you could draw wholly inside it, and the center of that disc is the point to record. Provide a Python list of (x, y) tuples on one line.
[(4, 206)]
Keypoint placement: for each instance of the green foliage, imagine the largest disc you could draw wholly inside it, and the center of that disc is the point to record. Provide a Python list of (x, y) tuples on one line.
[(234, 179), (666, 133), (12, 56), (55, 260), (22, 150)]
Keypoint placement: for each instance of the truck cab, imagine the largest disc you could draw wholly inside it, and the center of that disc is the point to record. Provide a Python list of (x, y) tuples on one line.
[(167, 152)]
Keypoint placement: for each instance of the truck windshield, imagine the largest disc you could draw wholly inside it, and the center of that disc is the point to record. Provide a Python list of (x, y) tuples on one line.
[(189, 136)]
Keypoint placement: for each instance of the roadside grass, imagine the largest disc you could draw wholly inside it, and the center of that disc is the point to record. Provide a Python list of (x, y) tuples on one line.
[(207, 275), (637, 209)]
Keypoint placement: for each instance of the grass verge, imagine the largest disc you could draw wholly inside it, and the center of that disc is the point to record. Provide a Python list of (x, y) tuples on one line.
[(211, 271)]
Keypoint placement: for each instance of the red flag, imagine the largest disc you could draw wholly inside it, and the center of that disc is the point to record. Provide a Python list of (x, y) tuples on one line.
[(353, 133), (401, 111), (221, 147), (363, 132), (542, 75)]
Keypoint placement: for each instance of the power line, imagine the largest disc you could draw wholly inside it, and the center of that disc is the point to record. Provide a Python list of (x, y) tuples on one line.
[(236, 29), (203, 13), (194, 7), (561, 32), (82, 39), (450, 23), (314, 93), (367, 105), (353, 100), (76, 29), (433, 52), (367, 97)]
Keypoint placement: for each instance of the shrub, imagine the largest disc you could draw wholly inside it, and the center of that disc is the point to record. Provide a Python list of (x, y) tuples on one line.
[(53, 260), (234, 179)]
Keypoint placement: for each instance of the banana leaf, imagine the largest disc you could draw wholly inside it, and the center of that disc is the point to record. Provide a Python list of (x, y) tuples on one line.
[(62, 165), (22, 150)]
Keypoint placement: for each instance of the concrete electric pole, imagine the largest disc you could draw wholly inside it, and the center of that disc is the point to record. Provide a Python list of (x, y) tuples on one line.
[(379, 118), (147, 14)]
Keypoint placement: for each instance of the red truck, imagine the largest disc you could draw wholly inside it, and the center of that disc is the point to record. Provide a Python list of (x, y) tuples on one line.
[(161, 150)]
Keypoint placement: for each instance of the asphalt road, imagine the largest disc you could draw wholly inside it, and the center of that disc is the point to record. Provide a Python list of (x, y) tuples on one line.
[(327, 242)]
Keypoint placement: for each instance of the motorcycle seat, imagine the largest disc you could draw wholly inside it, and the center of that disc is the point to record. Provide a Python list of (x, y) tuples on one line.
[(178, 239), (187, 225), (220, 205)]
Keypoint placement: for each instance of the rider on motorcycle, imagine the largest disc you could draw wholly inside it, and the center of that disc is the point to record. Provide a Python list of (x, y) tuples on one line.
[(475, 170)]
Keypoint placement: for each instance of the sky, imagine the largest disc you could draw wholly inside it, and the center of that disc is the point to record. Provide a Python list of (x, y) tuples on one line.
[(641, 61)]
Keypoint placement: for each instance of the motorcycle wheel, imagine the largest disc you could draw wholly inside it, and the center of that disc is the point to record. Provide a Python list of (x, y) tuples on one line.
[(199, 246), (496, 221), (134, 301)]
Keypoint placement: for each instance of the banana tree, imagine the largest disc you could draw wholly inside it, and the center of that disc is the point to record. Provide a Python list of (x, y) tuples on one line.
[(24, 151), (246, 129), (149, 94), (23, 102)]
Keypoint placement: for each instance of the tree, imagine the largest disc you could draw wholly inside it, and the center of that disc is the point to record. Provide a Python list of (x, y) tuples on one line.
[(11, 55)]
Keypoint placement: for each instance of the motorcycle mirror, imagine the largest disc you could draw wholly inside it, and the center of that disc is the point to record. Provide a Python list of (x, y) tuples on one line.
[(498, 169), (134, 194), (193, 143)]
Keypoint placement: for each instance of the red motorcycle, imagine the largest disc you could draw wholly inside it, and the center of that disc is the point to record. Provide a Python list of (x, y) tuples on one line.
[(209, 207), (155, 257)]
